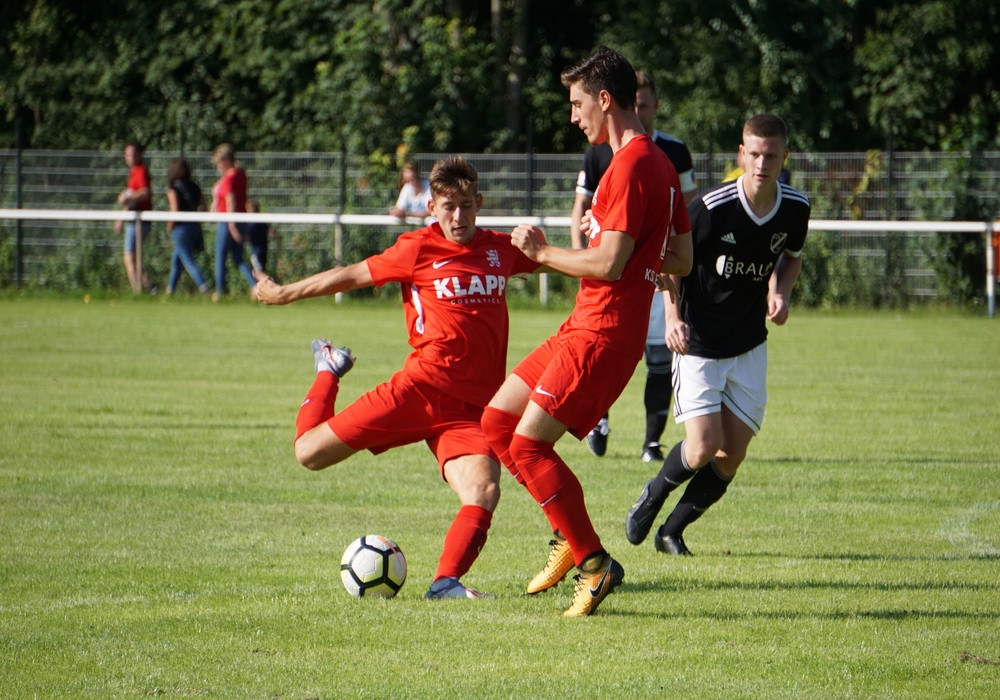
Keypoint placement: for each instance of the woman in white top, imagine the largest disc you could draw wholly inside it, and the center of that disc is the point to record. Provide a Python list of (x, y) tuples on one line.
[(414, 193)]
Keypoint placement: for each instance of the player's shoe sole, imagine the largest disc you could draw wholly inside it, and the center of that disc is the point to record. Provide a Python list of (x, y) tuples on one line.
[(331, 359), (668, 543), (593, 588), (644, 511), (559, 563)]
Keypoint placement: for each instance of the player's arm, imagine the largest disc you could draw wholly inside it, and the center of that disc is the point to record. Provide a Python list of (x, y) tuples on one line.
[(779, 286), (604, 262), (677, 332), (577, 238), (679, 257), (174, 204), (132, 198), (327, 283)]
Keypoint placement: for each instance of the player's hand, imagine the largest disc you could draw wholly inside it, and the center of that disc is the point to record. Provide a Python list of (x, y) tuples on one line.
[(777, 309), (267, 290), (665, 284), (117, 226), (586, 221), (530, 239), (677, 336)]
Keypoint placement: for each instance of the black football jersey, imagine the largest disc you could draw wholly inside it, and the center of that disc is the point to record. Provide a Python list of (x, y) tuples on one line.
[(724, 298), (597, 159)]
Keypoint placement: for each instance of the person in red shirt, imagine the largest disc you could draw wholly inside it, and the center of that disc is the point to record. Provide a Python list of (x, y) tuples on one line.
[(454, 280), (137, 196), (229, 195), (568, 382)]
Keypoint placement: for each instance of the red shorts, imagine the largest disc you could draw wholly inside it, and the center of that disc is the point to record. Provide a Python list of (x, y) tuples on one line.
[(575, 378), (401, 412)]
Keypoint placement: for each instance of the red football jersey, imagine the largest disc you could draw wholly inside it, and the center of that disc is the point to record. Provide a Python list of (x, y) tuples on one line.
[(640, 195), (454, 298)]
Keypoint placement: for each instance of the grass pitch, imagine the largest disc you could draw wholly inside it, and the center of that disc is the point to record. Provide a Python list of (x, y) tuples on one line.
[(158, 538)]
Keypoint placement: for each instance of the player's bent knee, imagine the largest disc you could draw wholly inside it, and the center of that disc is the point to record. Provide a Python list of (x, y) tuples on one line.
[(313, 456)]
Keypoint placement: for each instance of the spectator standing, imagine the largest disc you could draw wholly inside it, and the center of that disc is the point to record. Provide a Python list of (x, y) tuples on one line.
[(229, 195), (184, 194), (137, 196)]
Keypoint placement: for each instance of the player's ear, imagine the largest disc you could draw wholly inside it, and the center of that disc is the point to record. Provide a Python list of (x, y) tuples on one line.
[(479, 202), (431, 207), (604, 99)]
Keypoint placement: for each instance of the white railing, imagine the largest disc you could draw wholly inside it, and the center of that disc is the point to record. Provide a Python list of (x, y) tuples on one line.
[(337, 221)]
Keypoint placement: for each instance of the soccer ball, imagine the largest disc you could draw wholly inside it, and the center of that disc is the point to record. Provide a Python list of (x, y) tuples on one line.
[(373, 566)]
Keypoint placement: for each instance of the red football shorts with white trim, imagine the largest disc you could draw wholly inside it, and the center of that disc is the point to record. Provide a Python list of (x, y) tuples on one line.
[(401, 411), (575, 378)]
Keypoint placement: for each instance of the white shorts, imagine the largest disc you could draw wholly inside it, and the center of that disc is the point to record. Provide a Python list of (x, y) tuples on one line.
[(703, 385)]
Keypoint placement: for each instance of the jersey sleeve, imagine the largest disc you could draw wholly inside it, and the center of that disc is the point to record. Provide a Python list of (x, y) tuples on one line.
[(395, 263)]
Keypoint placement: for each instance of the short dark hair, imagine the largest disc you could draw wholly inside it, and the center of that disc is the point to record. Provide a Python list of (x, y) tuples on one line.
[(607, 70), (767, 126), (453, 174), (178, 169)]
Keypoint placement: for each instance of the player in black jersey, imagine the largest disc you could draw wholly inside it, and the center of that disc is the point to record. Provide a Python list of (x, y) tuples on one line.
[(748, 236), (656, 397)]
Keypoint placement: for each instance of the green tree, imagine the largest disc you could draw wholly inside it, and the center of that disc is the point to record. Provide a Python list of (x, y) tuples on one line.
[(931, 70)]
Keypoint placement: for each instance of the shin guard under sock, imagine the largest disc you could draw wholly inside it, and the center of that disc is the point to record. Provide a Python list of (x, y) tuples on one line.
[(705, 489), (464, 541), (498, 427), (318, 406), (673, 473), (557, 490)]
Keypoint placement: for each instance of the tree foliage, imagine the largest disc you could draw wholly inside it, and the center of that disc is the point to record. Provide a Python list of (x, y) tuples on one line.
[(385, 77)]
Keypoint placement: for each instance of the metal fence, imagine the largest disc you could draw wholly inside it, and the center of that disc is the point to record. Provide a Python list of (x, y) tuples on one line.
[(842, 186)]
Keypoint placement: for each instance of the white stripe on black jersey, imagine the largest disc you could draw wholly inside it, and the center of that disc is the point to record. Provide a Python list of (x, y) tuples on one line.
[(724, 299)]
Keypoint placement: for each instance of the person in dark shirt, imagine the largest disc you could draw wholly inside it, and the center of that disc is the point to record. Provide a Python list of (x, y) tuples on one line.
[(748, 236)]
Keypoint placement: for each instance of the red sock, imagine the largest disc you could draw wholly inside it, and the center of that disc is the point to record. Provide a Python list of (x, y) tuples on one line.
[(464, 541), (318, 405), (498, 426), (558, 492)]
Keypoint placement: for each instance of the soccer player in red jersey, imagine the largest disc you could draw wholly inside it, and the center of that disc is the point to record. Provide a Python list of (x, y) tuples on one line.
[(568, 382), (454, 278)]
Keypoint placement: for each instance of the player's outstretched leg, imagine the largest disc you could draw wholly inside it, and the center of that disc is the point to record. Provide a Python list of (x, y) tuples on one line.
[(331, 359), (559, 563), (673, 473), (599, 576)]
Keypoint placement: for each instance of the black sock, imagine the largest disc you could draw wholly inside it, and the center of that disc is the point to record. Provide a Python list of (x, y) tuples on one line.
[(657, 402), (655, 423), (706, 488), (673, 473)]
